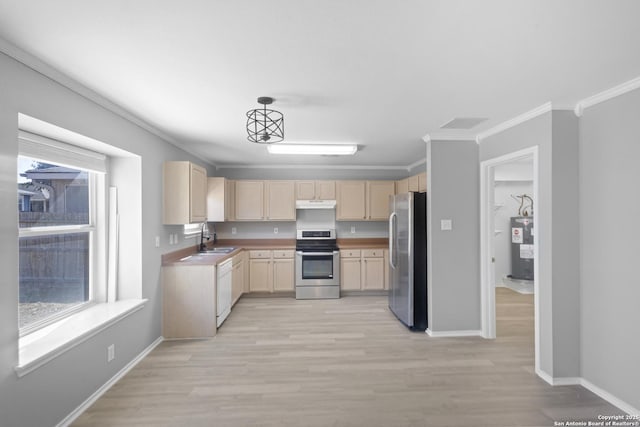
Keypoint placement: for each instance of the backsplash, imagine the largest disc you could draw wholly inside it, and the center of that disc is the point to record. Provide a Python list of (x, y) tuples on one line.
[(287, 230)]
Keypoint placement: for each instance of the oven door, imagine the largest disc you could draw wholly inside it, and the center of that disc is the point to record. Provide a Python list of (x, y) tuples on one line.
[(317, 268)]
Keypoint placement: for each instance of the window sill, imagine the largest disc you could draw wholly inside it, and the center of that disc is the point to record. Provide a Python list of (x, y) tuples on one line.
[(42, 346)]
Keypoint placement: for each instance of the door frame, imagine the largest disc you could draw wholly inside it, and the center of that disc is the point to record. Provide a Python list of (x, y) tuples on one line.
[(487, 268)]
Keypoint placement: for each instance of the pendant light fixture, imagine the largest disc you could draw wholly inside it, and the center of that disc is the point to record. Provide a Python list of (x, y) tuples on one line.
[(265, 126)]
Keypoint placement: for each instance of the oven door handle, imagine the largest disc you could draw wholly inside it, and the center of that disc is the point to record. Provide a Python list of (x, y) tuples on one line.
[(317, 253)]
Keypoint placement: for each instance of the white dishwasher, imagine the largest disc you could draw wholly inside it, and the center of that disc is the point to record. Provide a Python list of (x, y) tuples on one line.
[(223, 285)]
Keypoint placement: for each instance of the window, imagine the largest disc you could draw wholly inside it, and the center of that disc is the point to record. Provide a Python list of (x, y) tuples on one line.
[(59, 196)]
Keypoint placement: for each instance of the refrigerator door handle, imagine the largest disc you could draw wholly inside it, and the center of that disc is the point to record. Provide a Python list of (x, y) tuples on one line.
[(392, 235)]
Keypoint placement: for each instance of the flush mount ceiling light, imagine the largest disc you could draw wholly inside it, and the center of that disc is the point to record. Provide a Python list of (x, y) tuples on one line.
[(265, 126), (314, 149)]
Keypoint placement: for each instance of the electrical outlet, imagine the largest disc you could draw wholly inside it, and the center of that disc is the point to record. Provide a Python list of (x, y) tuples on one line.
[(157, 241), (111, 352), (353, 229), (275, 230), (171, 238), (175, 239), (233, 230), (446, 225)]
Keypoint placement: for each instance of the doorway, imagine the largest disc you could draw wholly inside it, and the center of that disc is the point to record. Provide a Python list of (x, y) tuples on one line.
[(496, 231)]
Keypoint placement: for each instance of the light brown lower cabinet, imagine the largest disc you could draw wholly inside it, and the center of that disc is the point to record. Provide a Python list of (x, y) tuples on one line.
[(271, 270), (189, 301), (237, 278), (363, 270)]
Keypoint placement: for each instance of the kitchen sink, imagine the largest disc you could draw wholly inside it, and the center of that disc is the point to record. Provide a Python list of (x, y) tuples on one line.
[(218, 251)]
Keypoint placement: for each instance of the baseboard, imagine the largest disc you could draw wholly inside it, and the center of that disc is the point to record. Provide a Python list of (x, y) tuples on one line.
[(453, 334), (564, 381), (629, 409), (106, 386)]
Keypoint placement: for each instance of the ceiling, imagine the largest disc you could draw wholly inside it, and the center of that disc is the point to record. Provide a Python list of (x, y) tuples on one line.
[(379, 73)]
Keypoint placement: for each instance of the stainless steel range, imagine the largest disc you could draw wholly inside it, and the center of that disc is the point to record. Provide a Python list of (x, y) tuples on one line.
[(317, 264)]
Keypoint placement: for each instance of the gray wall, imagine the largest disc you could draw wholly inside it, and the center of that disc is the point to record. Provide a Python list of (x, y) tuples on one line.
[(57, 388), (555, 134), (609, 210), (453, 256)]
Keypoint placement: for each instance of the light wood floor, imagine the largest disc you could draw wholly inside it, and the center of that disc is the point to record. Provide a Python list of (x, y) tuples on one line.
[(346, 362)]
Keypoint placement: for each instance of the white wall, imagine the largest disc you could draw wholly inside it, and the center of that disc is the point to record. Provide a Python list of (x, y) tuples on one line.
[(610, 279), (509, 208), (36, 399)]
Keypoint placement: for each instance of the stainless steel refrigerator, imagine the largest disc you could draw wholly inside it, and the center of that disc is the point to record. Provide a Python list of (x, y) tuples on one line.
[(408, 259)]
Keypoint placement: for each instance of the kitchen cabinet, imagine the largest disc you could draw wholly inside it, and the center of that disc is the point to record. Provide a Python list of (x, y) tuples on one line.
[(249, 200), (422, 182), (350, 270), (315, 190), (220, 199), (373, 269), (402, 186), (189, 302), (271, 270), (237, 278), (283, 270), (378, 193), (281, 203), (350, 200), (184, 193), (414, 183), (363, 269)]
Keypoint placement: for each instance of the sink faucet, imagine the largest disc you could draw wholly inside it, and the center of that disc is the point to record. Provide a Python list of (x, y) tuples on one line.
[(203, 247)]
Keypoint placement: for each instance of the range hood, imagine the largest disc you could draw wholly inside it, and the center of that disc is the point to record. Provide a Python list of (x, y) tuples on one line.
[(315, 204)]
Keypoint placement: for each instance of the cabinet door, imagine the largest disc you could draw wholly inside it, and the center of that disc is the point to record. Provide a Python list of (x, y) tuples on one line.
[(325, 190), (260, 275), (378, 199), (414, 183), (249, 200), (281, 203), (350, 274), (305, 190), (402, 186), (422, 182), (216, 199), (386, 269), (283, 275), (351, 200), (373, 274), (230, 200), (198, 194)]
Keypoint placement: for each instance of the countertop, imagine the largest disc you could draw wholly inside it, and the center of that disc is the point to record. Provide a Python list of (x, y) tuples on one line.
[(189, 256)]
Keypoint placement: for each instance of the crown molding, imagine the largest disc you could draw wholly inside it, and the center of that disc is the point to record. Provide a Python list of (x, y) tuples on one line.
[(538, 111), (326, 167), (606, 95), (449, 136), (50, 72), (416, 164)]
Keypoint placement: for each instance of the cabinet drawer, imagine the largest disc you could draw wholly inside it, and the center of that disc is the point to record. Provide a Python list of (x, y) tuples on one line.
[(372, 253), (259, 254), (350, 253), (283, 253), (237, 259)]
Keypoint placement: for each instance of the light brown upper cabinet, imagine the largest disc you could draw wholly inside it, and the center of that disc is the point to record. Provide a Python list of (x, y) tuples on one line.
[(414, 183), (184, 191), (422, 182), (315, 190), (350, 200), (249, 200), (265, 200), (220, 200), (281, 204), (378, 193), (402, 186)]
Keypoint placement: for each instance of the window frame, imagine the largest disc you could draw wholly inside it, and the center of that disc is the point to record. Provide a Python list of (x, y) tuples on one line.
[(64, 154)]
